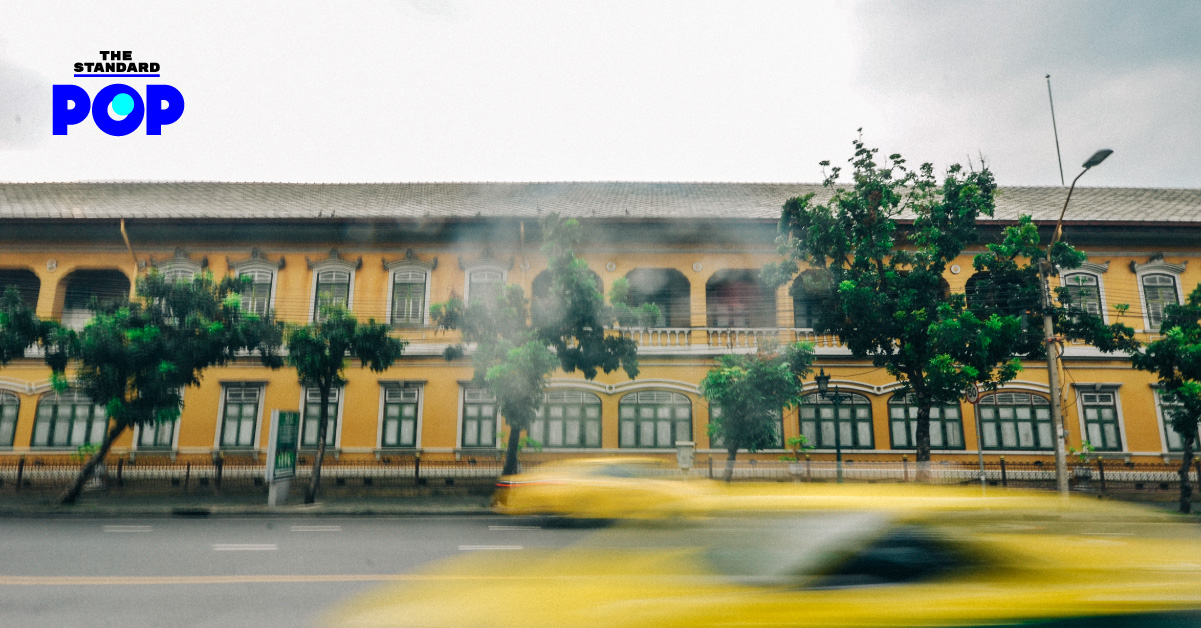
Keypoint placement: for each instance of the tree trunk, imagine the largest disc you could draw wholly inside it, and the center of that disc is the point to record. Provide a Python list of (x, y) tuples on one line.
[(922, 439), (71, 493), (730, 454), (511, 451), (1186, 489), (310, 496)]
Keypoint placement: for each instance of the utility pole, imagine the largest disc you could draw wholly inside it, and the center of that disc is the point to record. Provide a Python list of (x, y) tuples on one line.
[(1046, 269)]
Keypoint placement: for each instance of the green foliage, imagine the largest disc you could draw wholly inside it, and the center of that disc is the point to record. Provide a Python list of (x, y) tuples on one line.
[(319, 352), (751, 390), (1082, 452), (19, 326), (136, 358), (885, 293), (517, 344)]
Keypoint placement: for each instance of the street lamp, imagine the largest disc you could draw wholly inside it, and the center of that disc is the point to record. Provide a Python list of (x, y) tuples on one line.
[(1045, 269), (823, 386)]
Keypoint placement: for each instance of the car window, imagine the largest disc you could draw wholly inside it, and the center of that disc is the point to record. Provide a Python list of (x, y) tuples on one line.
[(903, 555)]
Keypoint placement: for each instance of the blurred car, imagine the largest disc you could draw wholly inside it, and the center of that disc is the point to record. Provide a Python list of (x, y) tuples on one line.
[(933, 557), (601, 488)]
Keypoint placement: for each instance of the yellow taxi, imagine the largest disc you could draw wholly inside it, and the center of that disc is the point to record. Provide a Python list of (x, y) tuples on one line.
[(896, 556), (601, 488)]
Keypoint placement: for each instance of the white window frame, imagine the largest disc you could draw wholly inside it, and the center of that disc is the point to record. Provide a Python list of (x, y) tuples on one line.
[(328, 265), (258, 419), (178, 264), (561, 397), (10, 395), (496, 420), (481, 266), (338, 390), (383, 393), (1164, 428), (1095, 271), (1088, 388), (1156, 267), (259, 265), (409, 267), (174, 446), (91, 421)]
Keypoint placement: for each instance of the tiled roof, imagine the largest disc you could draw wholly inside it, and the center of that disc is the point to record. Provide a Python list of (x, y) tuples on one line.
[(258, 201)]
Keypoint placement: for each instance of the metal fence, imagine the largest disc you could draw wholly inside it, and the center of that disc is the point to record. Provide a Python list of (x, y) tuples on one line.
[(481, 473), (1096, 476), (235, 476)]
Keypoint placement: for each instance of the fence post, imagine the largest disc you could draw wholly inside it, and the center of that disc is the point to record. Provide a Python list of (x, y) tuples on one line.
[(808, 468), (120, 472), (417, 468), (220, 464), (1101, 472), (710, 466), (187, 475), (20, 472), (905, 468), (1004, 477)]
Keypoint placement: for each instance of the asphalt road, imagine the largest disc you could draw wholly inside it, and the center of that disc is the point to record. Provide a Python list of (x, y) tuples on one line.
[(254, 572)]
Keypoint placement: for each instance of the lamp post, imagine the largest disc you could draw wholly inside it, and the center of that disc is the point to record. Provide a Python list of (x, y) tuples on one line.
[(1045, 270), (823, 386)]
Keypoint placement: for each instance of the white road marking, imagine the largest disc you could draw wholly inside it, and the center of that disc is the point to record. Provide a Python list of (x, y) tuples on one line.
[(316, 528), (508, 528), (244, 547), (486, 548), (128, 528)]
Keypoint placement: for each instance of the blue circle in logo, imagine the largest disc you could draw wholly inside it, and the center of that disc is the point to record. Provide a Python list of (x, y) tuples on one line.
[(122, 104)]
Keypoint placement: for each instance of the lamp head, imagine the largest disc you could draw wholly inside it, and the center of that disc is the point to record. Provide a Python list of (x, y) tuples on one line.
[(1097, 158), (823, 381)]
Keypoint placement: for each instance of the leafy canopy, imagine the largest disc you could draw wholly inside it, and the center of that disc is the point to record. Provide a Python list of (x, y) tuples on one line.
[(752, 390)]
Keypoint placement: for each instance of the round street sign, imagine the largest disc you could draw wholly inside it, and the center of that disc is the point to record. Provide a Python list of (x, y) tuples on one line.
[(972, 394)]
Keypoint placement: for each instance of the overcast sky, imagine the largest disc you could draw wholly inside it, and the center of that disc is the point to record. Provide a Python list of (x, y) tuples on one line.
[(425, 90)]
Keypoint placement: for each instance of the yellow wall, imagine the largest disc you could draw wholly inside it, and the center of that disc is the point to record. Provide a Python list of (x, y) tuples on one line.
[(440, 420)]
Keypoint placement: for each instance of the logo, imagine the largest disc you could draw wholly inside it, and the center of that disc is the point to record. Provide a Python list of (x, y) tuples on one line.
[(117, 109)]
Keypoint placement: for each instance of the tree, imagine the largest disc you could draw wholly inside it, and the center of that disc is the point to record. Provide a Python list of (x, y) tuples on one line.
[(1176, 360), (752, 390), (19, 326), (319, 351), (882, 286), (517, 345), (136, 358)]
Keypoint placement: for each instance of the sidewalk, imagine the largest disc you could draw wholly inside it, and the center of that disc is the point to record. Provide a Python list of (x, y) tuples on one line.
[(103, 504)]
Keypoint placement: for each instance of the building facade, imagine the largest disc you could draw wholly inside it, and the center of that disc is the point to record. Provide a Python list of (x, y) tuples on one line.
[(389, 251)]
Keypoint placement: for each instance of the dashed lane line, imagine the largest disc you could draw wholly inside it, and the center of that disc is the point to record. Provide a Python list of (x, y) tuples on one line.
[(125, 529), (316, 528), (488, 548), (512, 528), (245, 547)]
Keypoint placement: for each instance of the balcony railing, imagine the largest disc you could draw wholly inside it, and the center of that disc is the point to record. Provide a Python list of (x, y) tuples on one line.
[(705, 339)]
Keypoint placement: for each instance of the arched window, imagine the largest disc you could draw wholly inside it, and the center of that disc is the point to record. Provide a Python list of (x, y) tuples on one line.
[(946, 425), (484, 284), (256, 296), (810, 294), (668, 289), (1015, 420), (108, 286), (1083, 292), (854, 421), (654, 419), (568, 418), (735, 298), (68, 419), (9, 405), (408, 298), (25, 282), (332, 289), (1159, 291)]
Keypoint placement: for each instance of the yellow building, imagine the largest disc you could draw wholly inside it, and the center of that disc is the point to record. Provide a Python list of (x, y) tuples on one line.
[(390, 250)]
